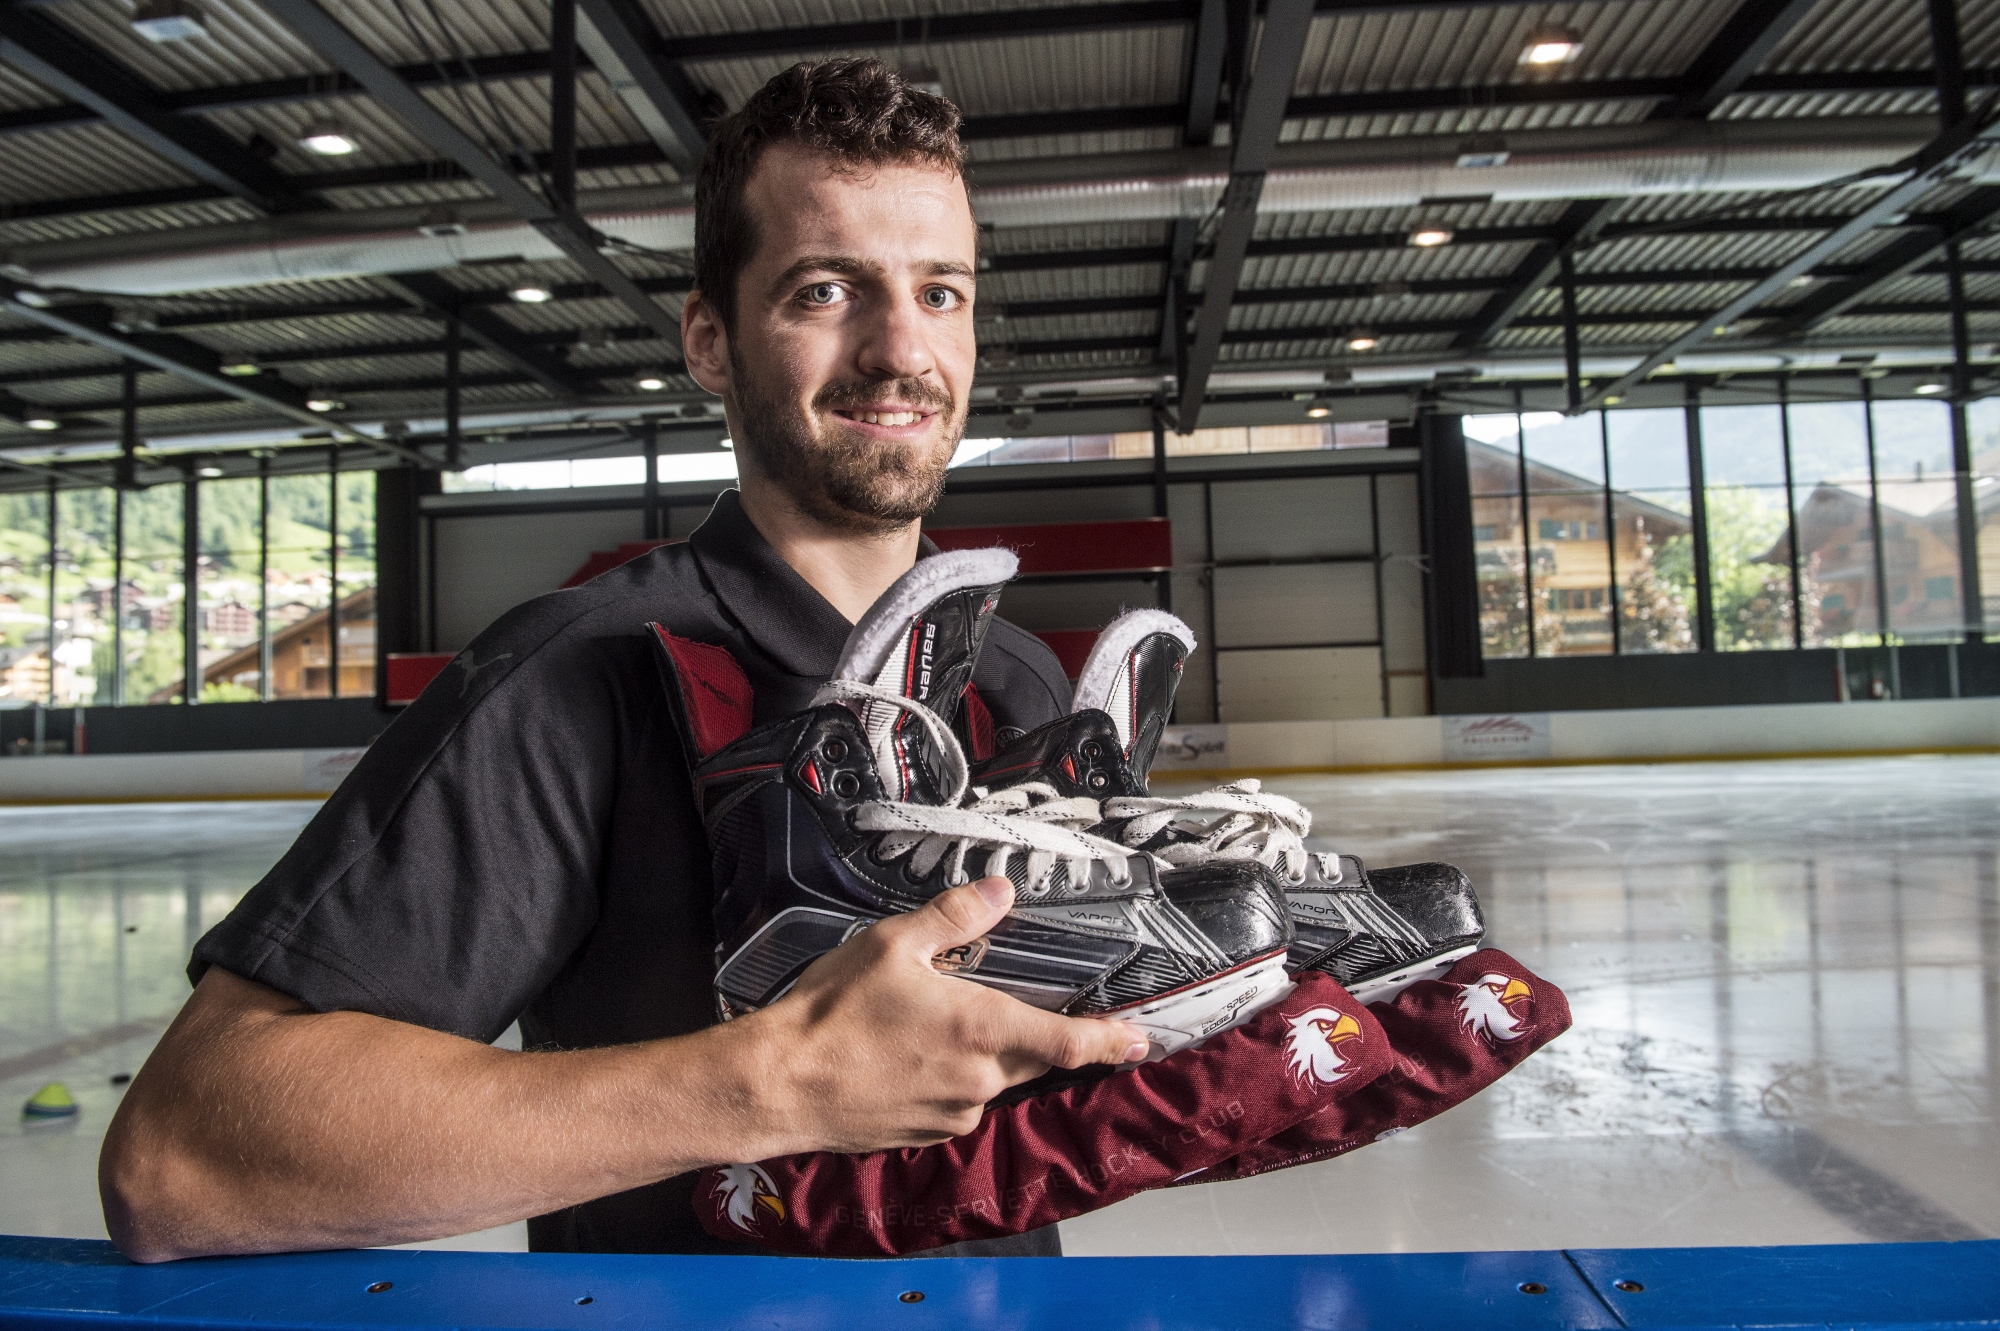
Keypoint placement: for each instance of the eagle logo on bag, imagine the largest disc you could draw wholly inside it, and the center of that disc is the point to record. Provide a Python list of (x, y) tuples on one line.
[(1312, 1044), (1486, 1007), (745, 1189)]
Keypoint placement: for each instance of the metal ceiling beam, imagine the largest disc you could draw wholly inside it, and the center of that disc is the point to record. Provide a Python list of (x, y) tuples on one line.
[(626, 48), (564, 227), (1932, 166), (1716, 73), (493, 333), (188, 360), (56, 58), (1253, 139), (1963, 219)]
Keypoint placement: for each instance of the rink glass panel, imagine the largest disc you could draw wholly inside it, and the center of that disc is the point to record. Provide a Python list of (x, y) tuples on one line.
[(1654, 549), (1500, 547), (1917, 495), (1749, 526), (1568, 529)]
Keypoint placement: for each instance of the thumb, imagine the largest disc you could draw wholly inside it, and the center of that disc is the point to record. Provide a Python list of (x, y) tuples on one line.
[(951, 917)]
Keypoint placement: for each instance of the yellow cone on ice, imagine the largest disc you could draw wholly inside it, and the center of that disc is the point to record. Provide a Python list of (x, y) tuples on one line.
[(52, 1101)]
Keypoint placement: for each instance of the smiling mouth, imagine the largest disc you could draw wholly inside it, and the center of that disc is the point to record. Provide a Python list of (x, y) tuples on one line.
[(883, 417)]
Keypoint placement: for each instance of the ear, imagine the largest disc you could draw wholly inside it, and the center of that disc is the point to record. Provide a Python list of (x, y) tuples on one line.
[(705, 345)]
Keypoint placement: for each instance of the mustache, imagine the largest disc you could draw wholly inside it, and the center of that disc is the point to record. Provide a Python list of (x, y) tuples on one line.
[(864, 396)]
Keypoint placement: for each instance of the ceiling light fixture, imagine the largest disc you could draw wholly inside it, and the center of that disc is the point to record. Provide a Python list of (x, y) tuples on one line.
[(1363, 339), (532, 295), (42, 421), (328, 138), (208, 473), (1931, 389), (167, 21), (323, 404), (1320, 409), (1430, 237), (243, 369), (652, 383), (1552, 44)]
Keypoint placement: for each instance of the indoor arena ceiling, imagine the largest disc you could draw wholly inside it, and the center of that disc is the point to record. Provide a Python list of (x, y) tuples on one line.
[(1184, 200)]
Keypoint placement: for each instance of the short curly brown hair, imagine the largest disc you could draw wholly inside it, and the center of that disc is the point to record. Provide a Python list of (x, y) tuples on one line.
[(857, 110)]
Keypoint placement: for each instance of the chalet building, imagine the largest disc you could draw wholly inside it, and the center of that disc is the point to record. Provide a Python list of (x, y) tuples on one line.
[(1571, 560), (1919, 521), (300, 659)]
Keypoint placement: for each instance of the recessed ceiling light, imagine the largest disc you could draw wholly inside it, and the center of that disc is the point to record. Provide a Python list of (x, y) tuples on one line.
[(323, 404), (243, 369), (41, 421), (1551, 44), (1363, 339), (167, 21), (328, 138), (1802, 280), (532, 295), (1320, 409), (1429, 237), (652, 383), (208, 473), (1614, 400), (1931, 389)]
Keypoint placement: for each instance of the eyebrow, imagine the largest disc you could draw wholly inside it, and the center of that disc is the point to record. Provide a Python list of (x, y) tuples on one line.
[(848, 266)]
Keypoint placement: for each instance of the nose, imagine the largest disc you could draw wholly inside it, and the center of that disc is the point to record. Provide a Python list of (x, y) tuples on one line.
[(896, 341)]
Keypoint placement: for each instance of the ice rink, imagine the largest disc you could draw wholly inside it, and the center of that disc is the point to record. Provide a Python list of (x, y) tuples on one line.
[(1786, 979)]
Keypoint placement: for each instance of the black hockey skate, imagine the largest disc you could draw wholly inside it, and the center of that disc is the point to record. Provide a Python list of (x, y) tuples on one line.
[(1375, 933), (825, 822)]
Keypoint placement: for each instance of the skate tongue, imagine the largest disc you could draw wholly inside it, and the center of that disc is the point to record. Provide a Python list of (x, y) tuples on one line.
[(921, 640), (1132, 674)]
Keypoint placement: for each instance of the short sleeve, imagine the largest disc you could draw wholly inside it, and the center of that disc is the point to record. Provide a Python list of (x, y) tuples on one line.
[(458, 867)]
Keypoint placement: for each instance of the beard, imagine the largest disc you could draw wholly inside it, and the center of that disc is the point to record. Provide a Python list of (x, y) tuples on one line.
[(847, 483)]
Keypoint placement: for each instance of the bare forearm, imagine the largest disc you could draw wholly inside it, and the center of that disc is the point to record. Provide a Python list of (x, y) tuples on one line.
[(286, 1130)]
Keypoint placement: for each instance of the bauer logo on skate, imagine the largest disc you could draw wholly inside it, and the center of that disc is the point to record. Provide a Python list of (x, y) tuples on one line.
[(1486, 1007), (746, 1191), (1312, 1045)]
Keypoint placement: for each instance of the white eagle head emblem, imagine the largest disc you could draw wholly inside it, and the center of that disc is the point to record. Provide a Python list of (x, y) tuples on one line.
[(1486, 1006), (747, 1189), (1312, 1045)]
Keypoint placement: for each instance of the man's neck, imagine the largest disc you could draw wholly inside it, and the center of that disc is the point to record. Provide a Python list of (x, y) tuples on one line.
[(850, 569)]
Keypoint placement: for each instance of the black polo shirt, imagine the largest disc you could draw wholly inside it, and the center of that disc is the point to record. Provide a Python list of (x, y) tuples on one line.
[(522, 841)]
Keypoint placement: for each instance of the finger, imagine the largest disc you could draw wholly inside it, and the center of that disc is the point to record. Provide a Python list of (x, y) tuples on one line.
[(950, 918), (1073, 1042)]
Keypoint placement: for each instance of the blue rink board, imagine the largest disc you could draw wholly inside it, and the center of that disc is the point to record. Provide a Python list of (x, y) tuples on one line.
[(69, 1285)]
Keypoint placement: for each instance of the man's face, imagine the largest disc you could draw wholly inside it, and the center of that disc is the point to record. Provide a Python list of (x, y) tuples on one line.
[(849, 369)]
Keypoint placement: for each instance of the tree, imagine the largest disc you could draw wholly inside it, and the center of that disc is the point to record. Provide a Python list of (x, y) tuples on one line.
[(1653, 604), (1503, 608)]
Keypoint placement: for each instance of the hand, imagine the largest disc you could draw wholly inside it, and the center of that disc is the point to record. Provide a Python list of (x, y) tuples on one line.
[(874, 1048)]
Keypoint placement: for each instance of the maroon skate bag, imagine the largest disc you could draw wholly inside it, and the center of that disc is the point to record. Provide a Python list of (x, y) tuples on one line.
[(1062, 1154), (1453, 1037)]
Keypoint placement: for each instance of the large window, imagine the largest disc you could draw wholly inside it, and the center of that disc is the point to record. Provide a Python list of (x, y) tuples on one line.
[(104, 621), (1828, 523)]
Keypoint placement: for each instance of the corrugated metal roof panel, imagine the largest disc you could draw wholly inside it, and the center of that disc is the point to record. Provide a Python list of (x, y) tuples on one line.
[(1051, 72), (18, 91), (997, 289), (1137, 324), (1467, 120), (689, 17), (80, 160), (1403, 264), (79, 226), (1064, 239), (1071, 145), (1806, 106), (1321, 315), (1451, 47), (244, 43)]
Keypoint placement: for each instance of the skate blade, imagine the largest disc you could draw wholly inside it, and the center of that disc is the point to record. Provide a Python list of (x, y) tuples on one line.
[(1383, 988), (1188, 1016)]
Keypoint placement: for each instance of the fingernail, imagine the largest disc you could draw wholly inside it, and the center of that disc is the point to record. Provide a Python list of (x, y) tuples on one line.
[(1137, 1051), (997, 891)]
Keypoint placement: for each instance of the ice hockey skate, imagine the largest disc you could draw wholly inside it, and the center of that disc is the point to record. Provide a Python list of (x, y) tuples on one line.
[(1374, 933), (826, 821)]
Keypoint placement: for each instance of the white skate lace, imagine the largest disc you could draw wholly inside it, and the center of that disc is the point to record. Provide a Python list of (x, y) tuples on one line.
[(1249, 823), (1032, 821)]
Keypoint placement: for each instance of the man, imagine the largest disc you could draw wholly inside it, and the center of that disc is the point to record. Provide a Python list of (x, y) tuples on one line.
[(523, 842)]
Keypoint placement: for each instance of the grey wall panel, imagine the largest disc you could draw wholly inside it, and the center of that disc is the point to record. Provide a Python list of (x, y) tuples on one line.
[(1283, 604), (1302, 685), (1292, 518), (487, 565), (1098, 503), (1038, 606), (1402, 574), (682, 519)]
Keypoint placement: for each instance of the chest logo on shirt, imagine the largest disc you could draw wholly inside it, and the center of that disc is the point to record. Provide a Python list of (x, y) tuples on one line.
[(473, 666)]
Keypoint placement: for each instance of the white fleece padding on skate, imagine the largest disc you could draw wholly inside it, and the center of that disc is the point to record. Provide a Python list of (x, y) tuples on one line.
[(1106, 681), (882, 629)]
